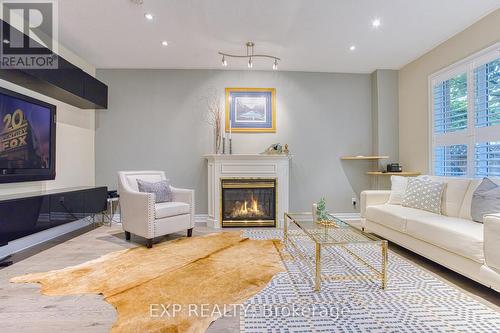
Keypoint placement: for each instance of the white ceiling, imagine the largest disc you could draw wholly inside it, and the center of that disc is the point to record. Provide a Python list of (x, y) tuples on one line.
[(309, 35)]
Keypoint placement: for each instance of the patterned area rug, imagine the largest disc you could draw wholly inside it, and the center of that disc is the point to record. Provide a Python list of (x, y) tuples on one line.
[(415, 300)]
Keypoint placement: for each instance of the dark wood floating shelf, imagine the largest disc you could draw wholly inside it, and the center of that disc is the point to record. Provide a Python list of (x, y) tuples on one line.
[(68, 83)]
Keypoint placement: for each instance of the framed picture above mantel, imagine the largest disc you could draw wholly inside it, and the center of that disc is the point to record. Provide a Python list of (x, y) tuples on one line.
[(251, 110)]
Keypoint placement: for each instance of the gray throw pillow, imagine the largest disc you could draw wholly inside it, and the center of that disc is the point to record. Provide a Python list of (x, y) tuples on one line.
[(424, 195), (161, 189), (485, 200)]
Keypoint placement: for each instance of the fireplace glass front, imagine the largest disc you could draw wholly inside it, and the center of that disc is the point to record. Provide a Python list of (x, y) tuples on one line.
[(248, 202)]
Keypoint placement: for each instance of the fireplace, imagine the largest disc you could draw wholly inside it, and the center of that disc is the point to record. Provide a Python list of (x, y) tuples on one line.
[(248, 202)]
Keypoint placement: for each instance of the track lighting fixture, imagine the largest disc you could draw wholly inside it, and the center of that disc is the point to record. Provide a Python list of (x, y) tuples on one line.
[(250, 55)]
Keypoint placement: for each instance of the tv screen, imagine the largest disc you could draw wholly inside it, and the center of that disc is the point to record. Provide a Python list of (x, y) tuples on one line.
[(27, 138)]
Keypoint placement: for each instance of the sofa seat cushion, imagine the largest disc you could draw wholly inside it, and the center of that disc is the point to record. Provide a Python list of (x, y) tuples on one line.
[(393, 216), (167, 209), (460, 236)]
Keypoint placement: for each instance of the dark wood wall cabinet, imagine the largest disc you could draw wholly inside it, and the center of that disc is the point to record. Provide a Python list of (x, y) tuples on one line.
[(66, 83)]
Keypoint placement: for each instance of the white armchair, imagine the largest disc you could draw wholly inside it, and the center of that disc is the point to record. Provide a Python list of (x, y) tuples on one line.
[(143, 217)]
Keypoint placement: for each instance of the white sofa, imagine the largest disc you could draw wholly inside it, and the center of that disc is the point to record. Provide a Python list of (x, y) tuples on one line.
[(140, 215), (451, 239)]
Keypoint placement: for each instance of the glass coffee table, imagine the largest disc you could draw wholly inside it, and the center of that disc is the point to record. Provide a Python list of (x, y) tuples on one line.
[(335, 233)]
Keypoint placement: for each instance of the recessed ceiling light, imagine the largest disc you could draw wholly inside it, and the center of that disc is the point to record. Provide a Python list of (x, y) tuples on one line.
[(352, 47), (148, 16), (376, 23), (164, 43)]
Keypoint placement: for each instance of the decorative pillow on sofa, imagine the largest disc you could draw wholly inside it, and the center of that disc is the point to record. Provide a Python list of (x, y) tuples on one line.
[(161, 189), (485, 200), (398, 189), (424, 195)]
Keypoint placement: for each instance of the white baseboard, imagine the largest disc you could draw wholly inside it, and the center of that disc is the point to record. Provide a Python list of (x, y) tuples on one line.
[(42, 236), (347, 216), (200, 219)]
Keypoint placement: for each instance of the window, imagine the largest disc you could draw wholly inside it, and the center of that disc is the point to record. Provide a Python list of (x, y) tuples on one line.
[(465, 113), (487, 92), (451, 160), (450, 104), (487, 159)]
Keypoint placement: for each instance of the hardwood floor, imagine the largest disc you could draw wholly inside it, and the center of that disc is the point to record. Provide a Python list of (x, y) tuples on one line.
[(24, 309)]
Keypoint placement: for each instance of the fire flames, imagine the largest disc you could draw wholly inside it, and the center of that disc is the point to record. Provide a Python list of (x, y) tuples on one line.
[(249, 208)]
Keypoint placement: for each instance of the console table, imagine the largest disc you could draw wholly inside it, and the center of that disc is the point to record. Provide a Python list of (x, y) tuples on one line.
[(23, 214)]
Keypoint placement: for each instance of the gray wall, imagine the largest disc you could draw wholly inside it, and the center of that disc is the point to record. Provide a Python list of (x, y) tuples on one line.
[(385, 114), (385, 128), (155, 121)]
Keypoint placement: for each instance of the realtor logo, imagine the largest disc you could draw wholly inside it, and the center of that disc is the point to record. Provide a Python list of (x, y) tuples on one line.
[(29, 34)]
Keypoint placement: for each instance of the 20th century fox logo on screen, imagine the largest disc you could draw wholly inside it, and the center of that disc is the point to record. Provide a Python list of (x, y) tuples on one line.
[(29, 34)]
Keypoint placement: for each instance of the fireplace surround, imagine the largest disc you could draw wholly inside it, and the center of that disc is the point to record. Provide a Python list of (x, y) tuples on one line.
[(245, 167), (248, 202)]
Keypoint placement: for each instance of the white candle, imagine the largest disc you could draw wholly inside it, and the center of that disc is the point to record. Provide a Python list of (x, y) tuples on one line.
[(230, 127)]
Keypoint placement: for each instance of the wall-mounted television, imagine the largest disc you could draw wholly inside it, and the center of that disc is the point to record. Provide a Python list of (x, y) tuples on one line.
[(27, 138)]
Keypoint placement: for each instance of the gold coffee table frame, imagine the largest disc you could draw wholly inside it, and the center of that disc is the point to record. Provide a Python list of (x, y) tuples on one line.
[(323, 235)]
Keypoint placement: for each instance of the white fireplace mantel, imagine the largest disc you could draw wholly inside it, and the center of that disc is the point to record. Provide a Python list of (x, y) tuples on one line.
[(246, 166)]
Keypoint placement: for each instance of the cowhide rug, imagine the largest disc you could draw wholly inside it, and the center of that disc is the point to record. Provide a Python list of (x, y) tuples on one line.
[(179, 286)]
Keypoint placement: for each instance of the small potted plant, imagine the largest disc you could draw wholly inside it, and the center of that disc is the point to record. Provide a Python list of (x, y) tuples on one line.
[(320, 215)]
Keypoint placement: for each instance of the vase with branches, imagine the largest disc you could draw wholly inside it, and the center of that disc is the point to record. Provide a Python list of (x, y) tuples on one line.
[(213, 117)]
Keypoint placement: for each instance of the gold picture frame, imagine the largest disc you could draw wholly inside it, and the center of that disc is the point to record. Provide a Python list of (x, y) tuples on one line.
[(263, 118)]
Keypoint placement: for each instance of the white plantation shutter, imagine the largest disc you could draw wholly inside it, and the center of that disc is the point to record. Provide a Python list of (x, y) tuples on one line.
[(487, 159), (465, 114), (450, 160), (487, 94), (450, 104)]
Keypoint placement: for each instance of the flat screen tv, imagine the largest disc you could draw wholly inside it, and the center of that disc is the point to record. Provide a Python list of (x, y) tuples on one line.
[(27, 138)]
